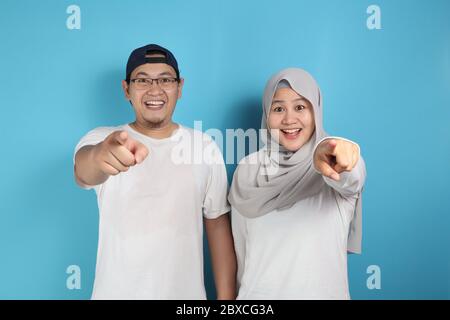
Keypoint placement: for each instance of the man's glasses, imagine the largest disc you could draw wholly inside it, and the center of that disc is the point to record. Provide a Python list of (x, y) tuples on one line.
[(163, 83)]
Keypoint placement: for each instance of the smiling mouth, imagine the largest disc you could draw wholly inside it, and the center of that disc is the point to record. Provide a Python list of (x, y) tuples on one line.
[(154, 104), (291, 133)]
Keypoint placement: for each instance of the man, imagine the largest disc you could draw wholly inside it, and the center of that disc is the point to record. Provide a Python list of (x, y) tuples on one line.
[(151, 204)]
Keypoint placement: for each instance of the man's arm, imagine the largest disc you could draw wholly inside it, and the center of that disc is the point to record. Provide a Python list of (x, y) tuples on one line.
[(95, 163), (223, 257), (85, 170), (239, 230)]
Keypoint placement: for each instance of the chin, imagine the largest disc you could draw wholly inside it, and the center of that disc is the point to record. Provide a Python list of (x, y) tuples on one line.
[(293, 146)]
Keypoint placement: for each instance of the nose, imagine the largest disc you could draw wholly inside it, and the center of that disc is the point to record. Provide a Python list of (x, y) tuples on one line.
[(154, 88), (289, 118)]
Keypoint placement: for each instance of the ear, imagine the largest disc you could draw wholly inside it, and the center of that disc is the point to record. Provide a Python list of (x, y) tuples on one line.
[(126, 89), (180, 87)]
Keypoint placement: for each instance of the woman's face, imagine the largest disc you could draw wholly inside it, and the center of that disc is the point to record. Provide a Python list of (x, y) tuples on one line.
[(291, 119)]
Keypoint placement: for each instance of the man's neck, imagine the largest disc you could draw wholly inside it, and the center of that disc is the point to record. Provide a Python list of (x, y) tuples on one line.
[(156, 133)]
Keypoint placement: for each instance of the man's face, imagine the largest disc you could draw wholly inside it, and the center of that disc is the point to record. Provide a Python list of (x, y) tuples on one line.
[(153, 105), (291, 119)]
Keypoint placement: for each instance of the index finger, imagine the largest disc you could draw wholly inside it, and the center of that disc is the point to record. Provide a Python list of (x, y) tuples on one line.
[(330, 146), (121, 137)]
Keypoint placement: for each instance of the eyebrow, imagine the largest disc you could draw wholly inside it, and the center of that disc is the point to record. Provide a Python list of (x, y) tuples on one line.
[(141, 74), (166, 73), (297, 99)]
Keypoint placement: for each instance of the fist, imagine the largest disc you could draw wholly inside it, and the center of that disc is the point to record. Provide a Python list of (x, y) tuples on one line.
[(118, 152), (334, 156)]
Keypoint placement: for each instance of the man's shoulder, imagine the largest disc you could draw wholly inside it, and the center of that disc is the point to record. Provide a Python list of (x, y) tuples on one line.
[(107, 129), (198, 135), (98, 134), (253, 158)]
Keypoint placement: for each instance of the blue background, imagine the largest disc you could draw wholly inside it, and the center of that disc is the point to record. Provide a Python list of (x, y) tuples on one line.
[(387, 89)]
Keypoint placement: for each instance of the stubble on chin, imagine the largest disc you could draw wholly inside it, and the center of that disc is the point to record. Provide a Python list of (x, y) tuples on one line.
[(156, 124)]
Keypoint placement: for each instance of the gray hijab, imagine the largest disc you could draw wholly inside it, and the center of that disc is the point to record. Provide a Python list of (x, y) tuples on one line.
[(278, 178)]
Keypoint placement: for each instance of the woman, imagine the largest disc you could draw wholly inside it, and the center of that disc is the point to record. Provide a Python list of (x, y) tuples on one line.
[(296, 203)]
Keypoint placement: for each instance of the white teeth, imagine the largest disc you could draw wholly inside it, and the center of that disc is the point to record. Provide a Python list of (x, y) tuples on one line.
[(154, 102), (291, 130)]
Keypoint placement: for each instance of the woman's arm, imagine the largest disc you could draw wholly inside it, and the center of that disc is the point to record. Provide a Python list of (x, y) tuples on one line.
[(341, 165)]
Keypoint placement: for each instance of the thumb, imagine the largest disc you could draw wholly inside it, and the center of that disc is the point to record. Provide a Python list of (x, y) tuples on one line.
[(326, 170), (338, 168), (140, 151)]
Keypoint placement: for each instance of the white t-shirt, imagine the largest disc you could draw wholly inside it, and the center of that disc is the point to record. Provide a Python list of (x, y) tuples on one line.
[(301, 252), (151, 217)]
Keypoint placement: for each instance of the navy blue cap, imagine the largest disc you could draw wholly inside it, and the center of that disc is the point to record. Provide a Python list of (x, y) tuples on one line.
[(138, 57)]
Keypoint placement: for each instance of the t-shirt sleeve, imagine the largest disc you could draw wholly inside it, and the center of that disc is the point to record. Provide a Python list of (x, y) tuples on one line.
[(215, 201), (93, 137)]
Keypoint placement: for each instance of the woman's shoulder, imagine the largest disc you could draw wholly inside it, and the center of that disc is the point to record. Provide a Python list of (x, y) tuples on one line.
[(252, 158)]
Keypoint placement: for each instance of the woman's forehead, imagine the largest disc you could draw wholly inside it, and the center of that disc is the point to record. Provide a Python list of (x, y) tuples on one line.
[(286, 94)]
